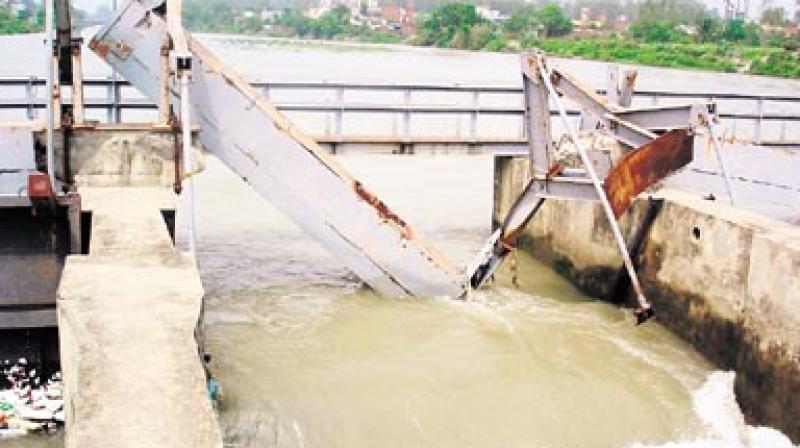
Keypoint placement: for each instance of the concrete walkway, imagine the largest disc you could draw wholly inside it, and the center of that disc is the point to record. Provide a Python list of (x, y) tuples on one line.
[(127, 314)]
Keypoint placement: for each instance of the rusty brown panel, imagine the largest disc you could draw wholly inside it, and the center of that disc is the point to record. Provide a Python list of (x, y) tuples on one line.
[(645, 166)]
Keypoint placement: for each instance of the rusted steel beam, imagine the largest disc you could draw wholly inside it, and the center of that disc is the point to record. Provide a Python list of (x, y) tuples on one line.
[(282, 163), (537, 115), (645, 166)]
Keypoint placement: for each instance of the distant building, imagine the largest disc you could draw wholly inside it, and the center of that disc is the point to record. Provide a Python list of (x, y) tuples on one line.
[(584, 18), (399, 19), (315, 13), (585, 22), (797, 13), (393, 13), (269, 15), (15, 6), (622, 23), (488, 13)]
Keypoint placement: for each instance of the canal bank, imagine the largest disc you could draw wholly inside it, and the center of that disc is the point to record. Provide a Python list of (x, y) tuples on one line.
[(724, 280)]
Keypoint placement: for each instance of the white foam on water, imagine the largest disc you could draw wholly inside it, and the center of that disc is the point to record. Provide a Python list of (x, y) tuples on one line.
[(716, 406)]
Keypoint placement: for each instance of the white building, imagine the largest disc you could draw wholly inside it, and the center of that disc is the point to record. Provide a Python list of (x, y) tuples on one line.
[(488, 13)]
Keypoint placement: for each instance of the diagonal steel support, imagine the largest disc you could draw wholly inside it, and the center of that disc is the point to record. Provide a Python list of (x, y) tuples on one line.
[(283, 164), (654, 158)]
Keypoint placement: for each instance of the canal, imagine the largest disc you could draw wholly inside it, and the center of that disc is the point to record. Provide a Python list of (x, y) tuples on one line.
[(308, 358)]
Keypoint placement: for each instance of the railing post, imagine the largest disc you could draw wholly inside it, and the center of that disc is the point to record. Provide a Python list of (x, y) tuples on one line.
[(339, 112), (783, 126), (29, 93), (760, 120), (407, 115), (473, 123), (117, 100), (110, 99)]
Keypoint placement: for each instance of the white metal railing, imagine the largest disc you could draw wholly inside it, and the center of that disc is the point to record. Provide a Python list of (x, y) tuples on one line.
[(337, 102)]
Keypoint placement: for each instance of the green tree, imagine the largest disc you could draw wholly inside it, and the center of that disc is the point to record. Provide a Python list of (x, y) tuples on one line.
[(736, 30), (522, 21), (10, 23), (295, 21), (656, 31), (554, 19), (449, 25), (709, 30), (332, 23)]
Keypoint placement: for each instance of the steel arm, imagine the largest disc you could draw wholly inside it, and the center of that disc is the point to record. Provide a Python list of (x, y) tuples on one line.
[(282, 163)]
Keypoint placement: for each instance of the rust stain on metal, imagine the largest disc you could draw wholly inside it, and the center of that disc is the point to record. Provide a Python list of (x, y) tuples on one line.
[(383, 210), (100, 48), (645, 166)]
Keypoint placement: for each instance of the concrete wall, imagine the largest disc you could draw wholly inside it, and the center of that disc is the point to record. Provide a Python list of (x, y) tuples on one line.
[(726, 281), (119, 156)]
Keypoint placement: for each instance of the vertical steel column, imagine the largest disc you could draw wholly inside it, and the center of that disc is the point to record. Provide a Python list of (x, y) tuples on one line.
[(628, 85), (163, 104), (612, 84), (56, 92), (188, 164), (645, 310), (183, 69), (51, 158), (78, 108), (537, 115)]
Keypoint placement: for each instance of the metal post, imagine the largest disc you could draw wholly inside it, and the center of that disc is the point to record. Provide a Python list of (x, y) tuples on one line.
[(473, 130), (628, 84), (717, 140), (612, 89), (407, 115), (183, 69), (759, 121), (645, 309), (536, 103), (51, 158), (163, 104), (783, 127), (56, 92), (110, 98), (31, 111), (339, 114), (187, 157), (117, 99), (78, 109)]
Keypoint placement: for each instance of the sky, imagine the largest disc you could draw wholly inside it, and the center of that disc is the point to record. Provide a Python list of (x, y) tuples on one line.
[(755, 5)]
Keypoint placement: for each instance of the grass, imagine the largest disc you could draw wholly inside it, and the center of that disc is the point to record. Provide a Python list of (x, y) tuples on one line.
[(722, 57)]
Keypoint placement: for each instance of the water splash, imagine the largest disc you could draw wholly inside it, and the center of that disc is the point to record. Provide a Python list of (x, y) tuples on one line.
[(716, 406)]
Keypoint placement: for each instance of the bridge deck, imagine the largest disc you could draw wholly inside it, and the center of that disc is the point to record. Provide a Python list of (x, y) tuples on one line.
[(127, 314)]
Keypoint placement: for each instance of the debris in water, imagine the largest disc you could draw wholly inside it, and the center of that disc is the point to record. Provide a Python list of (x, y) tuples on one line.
[(27, 406)]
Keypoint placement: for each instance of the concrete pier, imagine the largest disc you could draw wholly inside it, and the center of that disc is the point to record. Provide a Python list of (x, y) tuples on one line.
[(725, 280), (127, 316)]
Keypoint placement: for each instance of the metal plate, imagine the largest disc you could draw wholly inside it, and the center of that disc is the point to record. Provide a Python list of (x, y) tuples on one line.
[(285, 165), (16, 147), (645, 166)]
